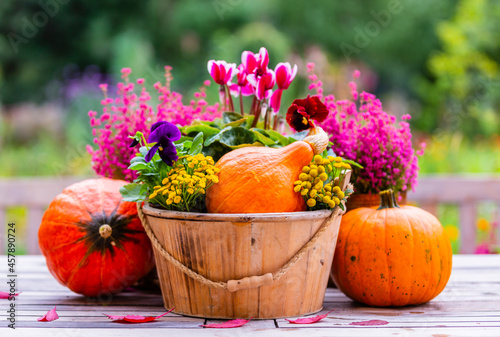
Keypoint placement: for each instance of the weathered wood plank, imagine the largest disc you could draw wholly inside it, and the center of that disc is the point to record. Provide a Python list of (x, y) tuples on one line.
[(450, 188), (468, 214), (474, 262), (89, 309), (35, 214), (70, 311), (77, 300), (334, 322), (282, 332), (253, 324), (33, 191), (77, 323), (465, 308)]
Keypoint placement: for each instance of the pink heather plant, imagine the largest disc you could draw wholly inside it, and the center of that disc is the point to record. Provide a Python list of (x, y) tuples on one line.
[(130, 112), (360, 130)]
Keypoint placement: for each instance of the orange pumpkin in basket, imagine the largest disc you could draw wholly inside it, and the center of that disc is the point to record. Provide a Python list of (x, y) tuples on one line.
[(260, 179), (93, 241), (391, 255)]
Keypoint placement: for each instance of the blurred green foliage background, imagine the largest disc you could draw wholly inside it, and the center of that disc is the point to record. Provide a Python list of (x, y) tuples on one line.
[(437, 60)]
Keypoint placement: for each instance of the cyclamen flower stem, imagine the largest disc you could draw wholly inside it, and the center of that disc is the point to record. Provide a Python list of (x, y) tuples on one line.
[(275, 123), (222, 96), (241, 102), (228, 93), (252, 108), (256, 113), (267, 124)]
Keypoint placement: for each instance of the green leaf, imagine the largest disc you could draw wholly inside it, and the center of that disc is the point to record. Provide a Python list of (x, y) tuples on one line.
[(205, 129), (182, 140), (209, 123), (234, 147), (143, 150), (197, 145), (138, 166), (186, 144), (162, 169), (261, 138), (238, 122), (216, 150), (133, 192), (353, 163), (228, 117), (233, 137), (249, 121), (138, 159), (275, 135)]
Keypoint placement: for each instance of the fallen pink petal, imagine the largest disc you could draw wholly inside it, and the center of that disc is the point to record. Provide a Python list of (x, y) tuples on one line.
[(135, 318), (372, 322), (51, 315), (5, 295), (308, 320), (235, 323)]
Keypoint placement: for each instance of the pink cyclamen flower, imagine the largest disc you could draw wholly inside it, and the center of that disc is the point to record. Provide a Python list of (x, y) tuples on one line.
[(248, 61), (265, 84), (263, 60), (241, 76), (242, 85), (285, 74), (221, 71), (255, 63), (275, 101)]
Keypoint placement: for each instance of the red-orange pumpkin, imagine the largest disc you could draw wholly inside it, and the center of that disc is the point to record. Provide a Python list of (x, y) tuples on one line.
[(93, 241), (391, 255)]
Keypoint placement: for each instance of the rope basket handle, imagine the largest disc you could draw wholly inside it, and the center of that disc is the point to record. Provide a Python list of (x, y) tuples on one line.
[(246, 282)]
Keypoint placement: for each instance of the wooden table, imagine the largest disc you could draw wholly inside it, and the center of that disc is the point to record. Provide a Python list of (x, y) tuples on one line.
[(469, 306)]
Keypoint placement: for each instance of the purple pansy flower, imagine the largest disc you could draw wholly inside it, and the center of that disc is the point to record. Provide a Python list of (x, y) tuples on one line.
[(163, 134)]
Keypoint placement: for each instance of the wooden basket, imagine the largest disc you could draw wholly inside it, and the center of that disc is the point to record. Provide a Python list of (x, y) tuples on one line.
[(259, 266)]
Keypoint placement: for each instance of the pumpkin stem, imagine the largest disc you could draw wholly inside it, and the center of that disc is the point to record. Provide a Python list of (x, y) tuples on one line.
[(105, 231), (318, 139), (387, 200)]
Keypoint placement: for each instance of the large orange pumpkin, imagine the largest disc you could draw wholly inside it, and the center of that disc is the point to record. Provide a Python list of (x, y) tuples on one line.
[(260, 179), (93, 241), (391, 255)]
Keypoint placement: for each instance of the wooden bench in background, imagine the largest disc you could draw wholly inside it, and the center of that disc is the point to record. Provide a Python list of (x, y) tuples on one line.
[(465, 191)]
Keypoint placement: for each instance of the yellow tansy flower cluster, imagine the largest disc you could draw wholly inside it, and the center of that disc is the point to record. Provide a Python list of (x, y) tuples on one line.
[(186, 183), (318, 182)]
